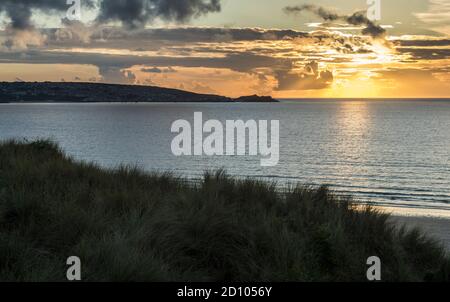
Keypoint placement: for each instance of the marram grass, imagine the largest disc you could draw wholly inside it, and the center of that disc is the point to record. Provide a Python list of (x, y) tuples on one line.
[(128, 225)]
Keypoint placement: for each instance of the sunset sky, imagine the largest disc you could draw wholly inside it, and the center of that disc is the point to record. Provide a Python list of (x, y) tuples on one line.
[(283, 48)]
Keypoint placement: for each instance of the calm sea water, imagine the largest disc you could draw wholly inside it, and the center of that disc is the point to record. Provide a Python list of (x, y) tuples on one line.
[(394, 153)]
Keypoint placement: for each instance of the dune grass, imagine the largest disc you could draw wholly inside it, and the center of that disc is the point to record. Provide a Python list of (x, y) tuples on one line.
[(128, 225)]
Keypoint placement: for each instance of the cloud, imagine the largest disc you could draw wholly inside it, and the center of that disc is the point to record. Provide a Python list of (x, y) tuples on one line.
[(74, 30), (201, 88), (426, 53), (157, 39), (22, 39), (137, 13), (130, 13), (20, 11), (21, 30), (111, 66), (116, 75), (195, 40), (158, 70), (424, 42), (326, 15), (311, 78), (243, 62), (213, 80), (358, 18), (438, 16)]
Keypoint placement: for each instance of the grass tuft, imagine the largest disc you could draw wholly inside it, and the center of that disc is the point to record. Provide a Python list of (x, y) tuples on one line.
[(128, 225)]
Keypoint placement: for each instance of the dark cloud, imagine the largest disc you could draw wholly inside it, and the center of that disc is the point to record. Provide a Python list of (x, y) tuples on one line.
[(426, 53), (112, 67), (154, 38), (310, 79), (137, 13), (131, 13), (424, 42), (20, 11), (159, 70), (243, 62), (358, 18), (188, 40), (151, 70), (118, 75), (323, 13)]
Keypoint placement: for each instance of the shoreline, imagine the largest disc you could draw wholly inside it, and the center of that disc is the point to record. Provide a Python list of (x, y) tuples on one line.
[(435, 227), (433, 222)]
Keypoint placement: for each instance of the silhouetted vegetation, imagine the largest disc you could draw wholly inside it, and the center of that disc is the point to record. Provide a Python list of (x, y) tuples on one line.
[(56, 92), (128, 225)]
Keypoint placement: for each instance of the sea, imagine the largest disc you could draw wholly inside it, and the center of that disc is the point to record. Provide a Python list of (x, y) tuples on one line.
[(389, 153)]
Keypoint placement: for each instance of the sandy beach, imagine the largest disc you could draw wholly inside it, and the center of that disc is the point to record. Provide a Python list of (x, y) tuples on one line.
[(437, 227)]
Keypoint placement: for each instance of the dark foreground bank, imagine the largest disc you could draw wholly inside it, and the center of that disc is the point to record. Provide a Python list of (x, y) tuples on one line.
[(127, 225)]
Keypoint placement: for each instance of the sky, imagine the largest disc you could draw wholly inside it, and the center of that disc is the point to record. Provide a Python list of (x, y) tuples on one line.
[(284, 48)]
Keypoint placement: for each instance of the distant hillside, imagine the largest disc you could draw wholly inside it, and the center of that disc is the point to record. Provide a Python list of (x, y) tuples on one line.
[(11, 92)]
